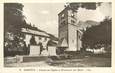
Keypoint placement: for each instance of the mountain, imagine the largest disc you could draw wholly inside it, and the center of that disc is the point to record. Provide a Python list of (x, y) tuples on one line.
[(87, 24), (91, 23)]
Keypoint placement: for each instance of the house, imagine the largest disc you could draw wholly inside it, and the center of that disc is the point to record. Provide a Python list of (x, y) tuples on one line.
[(37, 39)]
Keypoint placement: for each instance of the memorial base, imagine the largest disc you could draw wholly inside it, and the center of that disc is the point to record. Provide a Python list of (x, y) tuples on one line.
[(34, 58)]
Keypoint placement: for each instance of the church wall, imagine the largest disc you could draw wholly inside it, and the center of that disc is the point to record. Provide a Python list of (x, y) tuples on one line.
[(72, 38)]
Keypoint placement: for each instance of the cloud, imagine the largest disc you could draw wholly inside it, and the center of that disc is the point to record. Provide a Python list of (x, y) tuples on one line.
[(105, 9), (85, 14), (96, 15)]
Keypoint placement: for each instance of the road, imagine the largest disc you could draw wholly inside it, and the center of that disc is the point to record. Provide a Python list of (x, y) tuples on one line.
[(83, 62)]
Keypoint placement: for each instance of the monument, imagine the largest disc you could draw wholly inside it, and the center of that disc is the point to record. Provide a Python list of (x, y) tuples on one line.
[(34, 50)]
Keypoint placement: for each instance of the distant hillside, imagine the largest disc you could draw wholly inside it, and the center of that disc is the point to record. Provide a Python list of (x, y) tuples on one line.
[(88, 23)]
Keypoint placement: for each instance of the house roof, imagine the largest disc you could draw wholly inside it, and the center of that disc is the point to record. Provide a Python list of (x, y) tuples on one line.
[(34, 32)]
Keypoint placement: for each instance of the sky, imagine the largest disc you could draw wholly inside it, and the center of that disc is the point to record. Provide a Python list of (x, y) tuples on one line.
[(45, 15), (98, 15)]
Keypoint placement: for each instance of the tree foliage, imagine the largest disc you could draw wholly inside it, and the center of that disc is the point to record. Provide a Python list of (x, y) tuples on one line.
[(100, 34), (13, 21)]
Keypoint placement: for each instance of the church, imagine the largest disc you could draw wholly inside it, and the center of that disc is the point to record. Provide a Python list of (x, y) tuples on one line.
[(69, 32)]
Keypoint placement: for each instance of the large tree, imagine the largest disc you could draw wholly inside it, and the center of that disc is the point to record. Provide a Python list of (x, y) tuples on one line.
[(13, 21), (13, 16), (100, 34)]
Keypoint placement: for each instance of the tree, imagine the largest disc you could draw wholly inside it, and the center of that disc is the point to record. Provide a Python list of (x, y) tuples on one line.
[(13, 22), (100, 34), (13, 17)]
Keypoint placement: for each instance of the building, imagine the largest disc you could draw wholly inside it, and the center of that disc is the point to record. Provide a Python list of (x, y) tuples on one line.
[(69, 33), (39, 42), (39, 36), (19, 36)]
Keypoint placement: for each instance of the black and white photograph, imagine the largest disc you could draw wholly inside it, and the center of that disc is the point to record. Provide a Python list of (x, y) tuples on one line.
[(63, 35)]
